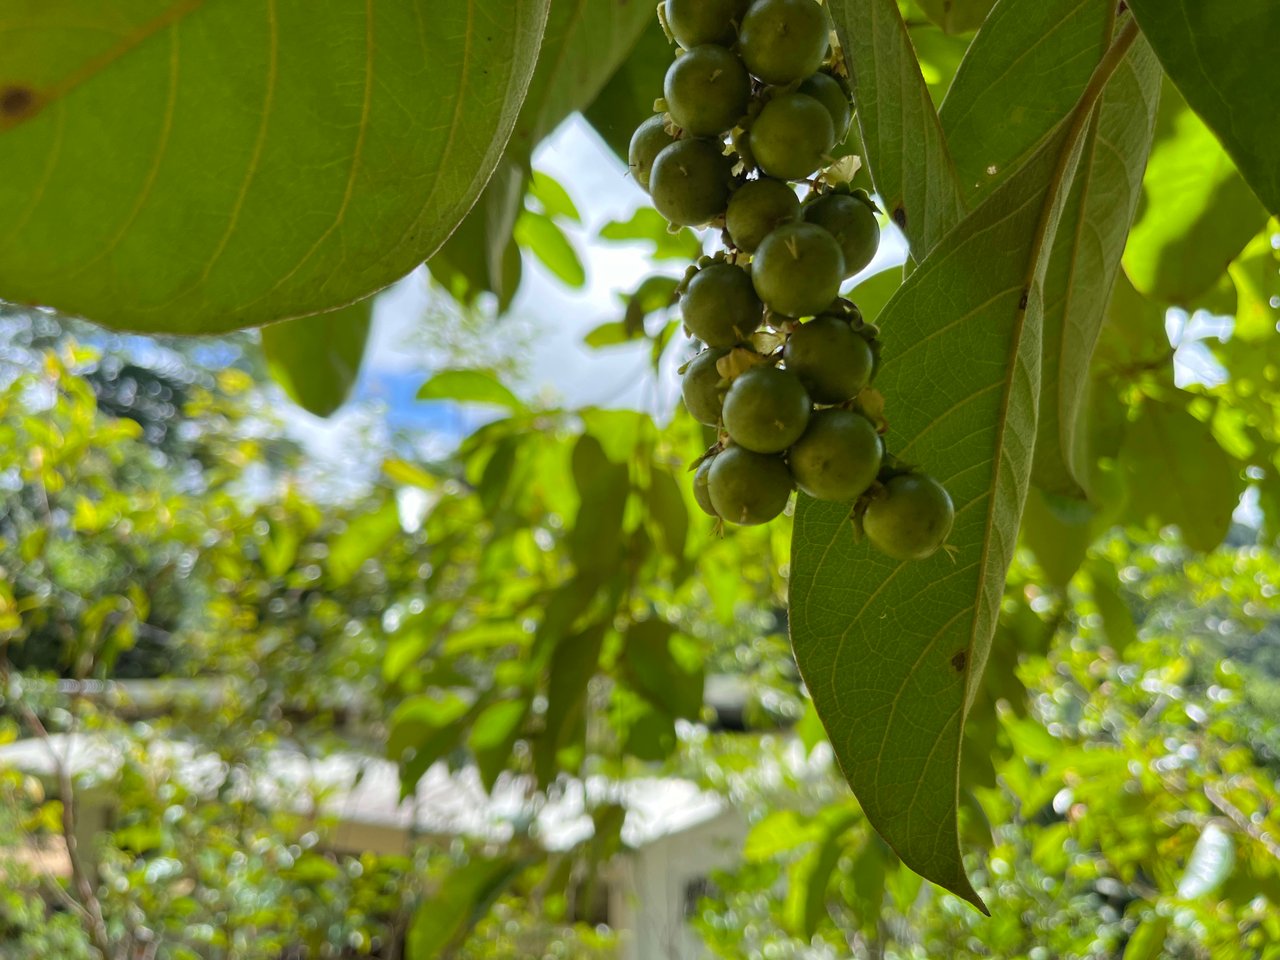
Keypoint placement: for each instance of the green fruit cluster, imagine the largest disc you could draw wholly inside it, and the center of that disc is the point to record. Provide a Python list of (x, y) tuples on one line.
[(752, 110)]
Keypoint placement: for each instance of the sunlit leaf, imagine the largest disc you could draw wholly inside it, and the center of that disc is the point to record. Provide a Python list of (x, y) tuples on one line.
[(469, 386), (891, 652), (1213, 53), (1196, 212), (150, 181), (1022, 74)]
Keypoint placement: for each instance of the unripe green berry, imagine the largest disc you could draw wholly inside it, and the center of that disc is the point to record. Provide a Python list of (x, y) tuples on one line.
[(720, 306), (690, 182), (695, 22), (838, 457), (792, 136), (701, 492), (757, 208), (910, 518), (828, 91), (748, 488), (650, 139), (784, 40), (766, 409), (832, 361), (852, 222), (797, 270), (703, 395), (707, 89)]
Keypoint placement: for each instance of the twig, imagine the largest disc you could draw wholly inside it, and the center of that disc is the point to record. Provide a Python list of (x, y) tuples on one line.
[(1236, 816), (89, 902)]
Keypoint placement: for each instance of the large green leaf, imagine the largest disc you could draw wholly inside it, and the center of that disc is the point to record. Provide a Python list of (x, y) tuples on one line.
[(1022, 74), (1083, 263), (1196, 212), (1222, 58), (892, 652), (317, 359), (197, 167), (906, 150)]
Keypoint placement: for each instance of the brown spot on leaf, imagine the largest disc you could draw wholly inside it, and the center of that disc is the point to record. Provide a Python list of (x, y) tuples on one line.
[(900, 218), (1022, 304), (959, 660), (16, 102)]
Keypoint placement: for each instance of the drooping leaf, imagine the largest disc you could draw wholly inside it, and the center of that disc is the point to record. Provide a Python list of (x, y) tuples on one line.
[(150, 181), (317, 359), (1180, 475), (469, 386), (646, 224), (482, 255), (891, 652), (1215, 54), (585, 43), (553, 197), (1196, 212), (906, 151), (539, 234), (627, 99), (1084, 261), (1021, 75), (460, 903)]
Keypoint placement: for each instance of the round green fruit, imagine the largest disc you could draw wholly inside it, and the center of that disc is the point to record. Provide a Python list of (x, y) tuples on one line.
[(650, 139), (831, 93), (701, 491), (695, 22), (832, 361), (784, 40), (707, 89), (703, 395), (766, 409), (757, 208), (853, 224), (797, 270), (838, 457), (792, 136), (748, 488), (910, 518), (720, 305), (690, 181)]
